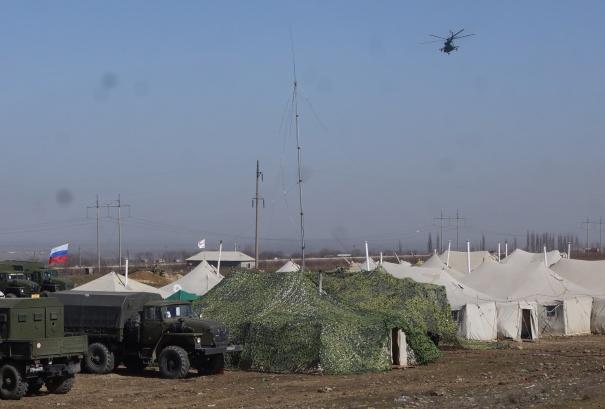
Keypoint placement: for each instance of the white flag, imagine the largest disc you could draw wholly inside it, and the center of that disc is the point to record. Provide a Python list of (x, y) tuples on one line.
[(201, 244)]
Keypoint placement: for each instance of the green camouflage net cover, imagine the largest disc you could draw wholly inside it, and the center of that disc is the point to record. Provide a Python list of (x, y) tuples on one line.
[(418, 309), (285, 326)]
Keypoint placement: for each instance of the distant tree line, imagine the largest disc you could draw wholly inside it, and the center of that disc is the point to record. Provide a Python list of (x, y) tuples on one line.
[(535, 241)]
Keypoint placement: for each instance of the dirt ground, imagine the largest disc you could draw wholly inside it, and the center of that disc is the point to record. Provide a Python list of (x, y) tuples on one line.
[(550, 373)]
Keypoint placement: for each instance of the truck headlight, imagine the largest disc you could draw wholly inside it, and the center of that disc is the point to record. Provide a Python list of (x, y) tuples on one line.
[(198, 340)]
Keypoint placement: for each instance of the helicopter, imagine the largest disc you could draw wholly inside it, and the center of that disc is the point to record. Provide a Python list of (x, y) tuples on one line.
[(448, 45)]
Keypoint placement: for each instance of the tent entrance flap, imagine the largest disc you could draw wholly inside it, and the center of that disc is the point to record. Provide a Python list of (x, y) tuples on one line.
[(526, 332), (399, 354)]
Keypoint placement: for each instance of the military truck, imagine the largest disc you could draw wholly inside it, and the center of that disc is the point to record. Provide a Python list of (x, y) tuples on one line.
[(16, 284), (49, 280), (33, 350), (140, 329)]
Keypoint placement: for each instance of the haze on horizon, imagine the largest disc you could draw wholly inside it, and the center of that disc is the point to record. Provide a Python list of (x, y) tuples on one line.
[(171, 104)]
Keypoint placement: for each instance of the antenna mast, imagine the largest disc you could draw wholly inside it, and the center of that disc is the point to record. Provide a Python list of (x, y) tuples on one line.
[(299, 154)]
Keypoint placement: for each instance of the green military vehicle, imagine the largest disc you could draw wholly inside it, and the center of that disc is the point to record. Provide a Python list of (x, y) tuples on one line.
[(33, 349), (49, 280), (33, 278), (16, 284), (140, 329)]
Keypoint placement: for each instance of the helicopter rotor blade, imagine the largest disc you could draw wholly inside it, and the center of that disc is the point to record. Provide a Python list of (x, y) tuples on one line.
[(468, 35), (433, 35), (454, 35), (430, 42)]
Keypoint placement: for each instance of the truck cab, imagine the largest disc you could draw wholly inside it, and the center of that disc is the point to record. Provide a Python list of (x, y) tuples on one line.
[(49, 280), (17, 285)]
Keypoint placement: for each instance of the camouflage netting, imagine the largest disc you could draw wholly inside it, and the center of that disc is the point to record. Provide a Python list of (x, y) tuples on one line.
[(418, 308), (285, 326)]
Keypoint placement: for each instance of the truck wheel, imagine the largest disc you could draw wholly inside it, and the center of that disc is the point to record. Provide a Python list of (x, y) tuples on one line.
[(60, 385), (10, 295), (99, 359), (134, 365), (34, 385), (174, 362), (212, 364), (12, 386)]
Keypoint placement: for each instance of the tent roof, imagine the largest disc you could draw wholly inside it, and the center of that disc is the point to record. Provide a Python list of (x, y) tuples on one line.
[(289, 267), (523, 257), (529, 282), (588, 274), (116, 283), (458, 259), (435, 262), (458, 294), (233, 256), (198, 281)]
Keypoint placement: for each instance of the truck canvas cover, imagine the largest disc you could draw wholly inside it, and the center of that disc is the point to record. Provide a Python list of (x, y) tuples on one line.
[(101, 310)]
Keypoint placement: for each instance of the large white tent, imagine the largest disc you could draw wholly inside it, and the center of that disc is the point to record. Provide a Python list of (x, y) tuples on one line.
[(591, 276), (458, 260), (474, 312), (289, 267), (116, 283), (563, 308), (198, 281)]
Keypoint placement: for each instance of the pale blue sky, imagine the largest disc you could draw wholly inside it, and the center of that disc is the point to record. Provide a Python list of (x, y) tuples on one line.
[(171, 103)]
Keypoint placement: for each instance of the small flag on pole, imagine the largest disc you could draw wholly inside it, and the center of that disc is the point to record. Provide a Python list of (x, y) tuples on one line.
[(58, 255), (201, 244)]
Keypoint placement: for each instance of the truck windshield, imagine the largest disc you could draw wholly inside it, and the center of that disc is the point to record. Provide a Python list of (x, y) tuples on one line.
[(175, 311)]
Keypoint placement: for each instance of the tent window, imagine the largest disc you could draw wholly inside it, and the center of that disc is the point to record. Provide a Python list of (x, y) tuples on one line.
[(455, 315), (551, 310)]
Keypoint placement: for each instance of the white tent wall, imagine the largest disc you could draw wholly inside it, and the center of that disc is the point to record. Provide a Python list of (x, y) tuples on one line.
[(510, 320), (478, 322), (577, 315), (551, 318), (597, 316)]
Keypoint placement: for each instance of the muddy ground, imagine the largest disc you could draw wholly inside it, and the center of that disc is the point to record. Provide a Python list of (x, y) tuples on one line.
[(550, 373)]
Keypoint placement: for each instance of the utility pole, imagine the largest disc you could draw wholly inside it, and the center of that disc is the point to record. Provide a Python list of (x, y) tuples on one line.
[(441, 219), (257, 198), (119, 205), (96, 206)]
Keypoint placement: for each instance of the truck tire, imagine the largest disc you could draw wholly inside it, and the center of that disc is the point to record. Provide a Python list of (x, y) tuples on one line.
[(34, 385), (99, 359), (60, 385), (10, 295), (212, 365), (12, 386), (174, 362)]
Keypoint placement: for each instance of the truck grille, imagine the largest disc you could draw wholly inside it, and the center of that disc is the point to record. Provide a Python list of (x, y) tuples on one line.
[(221, 335)]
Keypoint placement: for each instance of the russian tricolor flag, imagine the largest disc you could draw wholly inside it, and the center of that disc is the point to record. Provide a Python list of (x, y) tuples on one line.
[(58, 255)]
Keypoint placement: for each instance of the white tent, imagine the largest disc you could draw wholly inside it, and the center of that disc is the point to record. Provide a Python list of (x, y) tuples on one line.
[(115, 282), (591, 276), (435, 262), (289, 267), (523, 257), (474, 312), (198, 281), (458, 260), (563, 308)]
